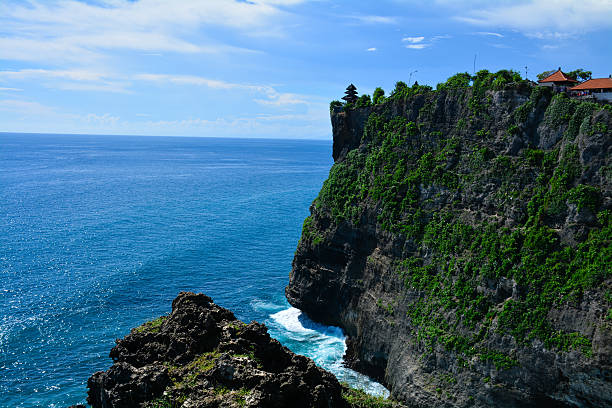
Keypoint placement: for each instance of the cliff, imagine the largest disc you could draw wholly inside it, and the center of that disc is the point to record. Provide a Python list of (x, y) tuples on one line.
[(462, 241), (200, 355)]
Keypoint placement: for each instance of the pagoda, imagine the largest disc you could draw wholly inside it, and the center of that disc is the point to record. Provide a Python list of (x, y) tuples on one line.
[(558, 79), (351, 94)]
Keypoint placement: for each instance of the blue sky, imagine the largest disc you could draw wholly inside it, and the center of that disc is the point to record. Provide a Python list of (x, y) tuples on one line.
[(264, 68)]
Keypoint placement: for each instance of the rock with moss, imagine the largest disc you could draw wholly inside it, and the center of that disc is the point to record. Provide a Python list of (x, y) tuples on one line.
[(202, 356), (464, 244)]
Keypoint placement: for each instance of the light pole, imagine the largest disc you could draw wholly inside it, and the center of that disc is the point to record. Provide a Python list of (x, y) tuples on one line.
[(410, 77)]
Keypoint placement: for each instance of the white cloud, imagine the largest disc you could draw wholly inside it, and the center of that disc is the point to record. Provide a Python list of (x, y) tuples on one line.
[(420, 42), (413, 40), (368, 19), (282, 99), (75, 75), (417, 46), (30, 116), (371, 49), (74, 80), (25, 107), (273, 97), (491, 34), (191, 80), (563, 16), (309, 125), (88, 80), (550, 35), (10, 89), (68, 30), (101, 120)]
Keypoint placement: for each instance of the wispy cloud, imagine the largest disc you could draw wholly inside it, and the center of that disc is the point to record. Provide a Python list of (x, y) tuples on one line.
[(75, 75), (548, 35), (198, 81), (491, 34), (372, 49), (74, 80), (102, 120), (282, 99), (272, 96), (48, 31), (29, 108), (299, 125), (421, 42), (417, 46), (89, 80), (11, 89), (372, 19), (544, 16), (413, 40)]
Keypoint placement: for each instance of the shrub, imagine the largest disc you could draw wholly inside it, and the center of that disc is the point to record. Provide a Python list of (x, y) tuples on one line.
[(585, 196), (363, 101), (334, 104), (457, 81), (379, 96)]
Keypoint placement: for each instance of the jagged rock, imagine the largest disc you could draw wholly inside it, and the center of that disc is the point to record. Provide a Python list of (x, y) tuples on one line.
[(202, 356)]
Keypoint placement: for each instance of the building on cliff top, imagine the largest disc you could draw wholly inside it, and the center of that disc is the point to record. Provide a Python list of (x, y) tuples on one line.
[(558, 80), (351, 94), (598, 88)]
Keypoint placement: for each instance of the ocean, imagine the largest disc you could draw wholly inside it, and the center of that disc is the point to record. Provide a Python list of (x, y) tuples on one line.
[(99, 233)]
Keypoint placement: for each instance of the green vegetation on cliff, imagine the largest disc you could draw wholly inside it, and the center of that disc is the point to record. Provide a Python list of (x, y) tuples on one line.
[(542, 236)]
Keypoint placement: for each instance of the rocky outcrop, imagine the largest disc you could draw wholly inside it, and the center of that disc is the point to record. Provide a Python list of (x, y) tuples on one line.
[(462, 241), (202, 356)]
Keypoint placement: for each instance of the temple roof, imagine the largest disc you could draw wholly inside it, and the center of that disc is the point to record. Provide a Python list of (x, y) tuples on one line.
[(597, 83), (351, 87), (558, 76)]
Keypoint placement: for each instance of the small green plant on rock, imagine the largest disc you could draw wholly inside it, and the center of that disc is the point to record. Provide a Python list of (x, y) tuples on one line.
[(152, 326)]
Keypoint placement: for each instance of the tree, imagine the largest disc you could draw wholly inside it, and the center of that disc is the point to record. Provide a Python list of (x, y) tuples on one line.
[(545, 74), (334, 104), (457, 81), (580, 74), (379, 96), (400, 87), (364, 100), (351, 94)]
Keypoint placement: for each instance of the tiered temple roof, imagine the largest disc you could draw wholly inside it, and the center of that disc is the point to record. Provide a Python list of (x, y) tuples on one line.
[(558, 77)]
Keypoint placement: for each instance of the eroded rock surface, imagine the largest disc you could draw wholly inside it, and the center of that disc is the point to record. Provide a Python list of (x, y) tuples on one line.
[(202, 356)]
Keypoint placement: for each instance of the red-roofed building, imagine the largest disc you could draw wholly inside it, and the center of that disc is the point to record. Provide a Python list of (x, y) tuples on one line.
[(599, 88), (558, 79)]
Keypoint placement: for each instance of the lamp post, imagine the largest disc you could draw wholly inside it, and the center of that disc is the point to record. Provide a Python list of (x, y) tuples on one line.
[(410, 77)]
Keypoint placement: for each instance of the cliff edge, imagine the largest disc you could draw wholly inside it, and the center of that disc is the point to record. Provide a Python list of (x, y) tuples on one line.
[(462, 241)]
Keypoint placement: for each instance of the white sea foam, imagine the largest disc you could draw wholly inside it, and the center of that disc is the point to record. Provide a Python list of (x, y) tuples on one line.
[(326, 345)]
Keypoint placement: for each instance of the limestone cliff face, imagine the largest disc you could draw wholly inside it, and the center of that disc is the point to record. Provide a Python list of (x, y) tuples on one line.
[(462, 241)]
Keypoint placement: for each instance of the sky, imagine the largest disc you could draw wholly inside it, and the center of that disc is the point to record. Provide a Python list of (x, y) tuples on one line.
[(264, 68)]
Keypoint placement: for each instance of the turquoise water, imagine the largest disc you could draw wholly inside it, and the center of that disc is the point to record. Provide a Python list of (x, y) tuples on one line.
[(99, 234)]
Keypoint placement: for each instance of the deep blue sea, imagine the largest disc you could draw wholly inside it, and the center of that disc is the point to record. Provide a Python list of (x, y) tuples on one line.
[(99, 233)]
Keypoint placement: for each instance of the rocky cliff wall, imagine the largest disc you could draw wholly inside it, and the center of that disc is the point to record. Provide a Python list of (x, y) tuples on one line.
[(462, 240)]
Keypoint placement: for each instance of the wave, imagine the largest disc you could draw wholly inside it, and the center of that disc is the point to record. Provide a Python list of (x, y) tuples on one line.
[(326, 345)]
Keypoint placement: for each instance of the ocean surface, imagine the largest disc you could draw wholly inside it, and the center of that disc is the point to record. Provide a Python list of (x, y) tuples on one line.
[(99, 233)]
